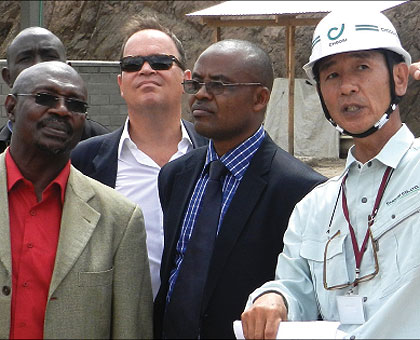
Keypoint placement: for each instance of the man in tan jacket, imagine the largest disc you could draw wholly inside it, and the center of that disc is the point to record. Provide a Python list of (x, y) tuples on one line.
[(73, 259)]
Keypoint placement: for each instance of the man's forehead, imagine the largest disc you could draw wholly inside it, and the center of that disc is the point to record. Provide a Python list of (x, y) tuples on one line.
[(150, 41), (205, 73), (150, 34), (218, 65), (64, 83), (336, 58), (27, 49), (28, 43), (60, 81)]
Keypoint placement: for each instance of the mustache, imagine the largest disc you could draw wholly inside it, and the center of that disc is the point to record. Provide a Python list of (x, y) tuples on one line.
[(201, 105), (58, 122)]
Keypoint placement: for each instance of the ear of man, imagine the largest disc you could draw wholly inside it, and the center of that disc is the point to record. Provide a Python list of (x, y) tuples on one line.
[(400, 73), (261, 98), (10, 105), (119, 81), (187, 74), (6, 76)]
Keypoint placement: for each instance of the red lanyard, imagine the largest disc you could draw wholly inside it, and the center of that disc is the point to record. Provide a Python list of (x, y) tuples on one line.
[(358, 254)]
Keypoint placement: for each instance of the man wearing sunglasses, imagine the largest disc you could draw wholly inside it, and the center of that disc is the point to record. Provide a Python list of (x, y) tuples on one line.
[(73, 251), (129, 159), (206, 278), (351, 250), (31, 46)]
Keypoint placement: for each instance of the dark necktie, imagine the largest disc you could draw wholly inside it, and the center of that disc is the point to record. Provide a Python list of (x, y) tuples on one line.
[(182, 316)]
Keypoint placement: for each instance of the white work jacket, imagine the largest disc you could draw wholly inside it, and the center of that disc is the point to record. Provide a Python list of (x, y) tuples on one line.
[(392, 305)]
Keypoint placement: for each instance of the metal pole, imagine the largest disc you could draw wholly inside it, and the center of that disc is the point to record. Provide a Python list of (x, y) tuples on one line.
[(291, 76), (30, 14), (217, 34), (41, 14)]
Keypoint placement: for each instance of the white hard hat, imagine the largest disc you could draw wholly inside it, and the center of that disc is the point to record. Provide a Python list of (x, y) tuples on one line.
[(346, 31)]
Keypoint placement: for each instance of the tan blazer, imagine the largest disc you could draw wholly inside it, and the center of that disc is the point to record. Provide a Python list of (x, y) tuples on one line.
[(100, 286)]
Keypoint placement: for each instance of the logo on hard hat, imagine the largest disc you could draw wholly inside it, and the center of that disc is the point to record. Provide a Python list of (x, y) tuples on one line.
[(335, 29), (367, 28), (316, 41)]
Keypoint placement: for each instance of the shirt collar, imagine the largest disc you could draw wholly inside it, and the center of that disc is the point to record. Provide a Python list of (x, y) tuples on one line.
[(237, 159), (393, 151), (125, 137), (14, 176), (10, 126), (185, 137)]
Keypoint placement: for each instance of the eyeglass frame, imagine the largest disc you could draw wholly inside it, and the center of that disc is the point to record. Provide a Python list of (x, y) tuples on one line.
[(147, 58), (57, 97), (223, 85), (356, 280)]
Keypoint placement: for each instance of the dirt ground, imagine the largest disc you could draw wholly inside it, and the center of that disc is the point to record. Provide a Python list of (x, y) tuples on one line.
[(327, 167)]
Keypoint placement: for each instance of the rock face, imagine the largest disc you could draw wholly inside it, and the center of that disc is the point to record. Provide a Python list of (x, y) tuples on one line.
[(90, 30)]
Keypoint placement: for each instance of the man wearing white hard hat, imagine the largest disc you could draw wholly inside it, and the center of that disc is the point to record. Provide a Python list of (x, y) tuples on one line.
[(351, 250)]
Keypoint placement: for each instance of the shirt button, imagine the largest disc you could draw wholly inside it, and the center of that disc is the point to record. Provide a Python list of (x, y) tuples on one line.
[(364, 199), (6, 290), (359, 166), (30, 245), (33, 212), (25, 284), (369, 164)]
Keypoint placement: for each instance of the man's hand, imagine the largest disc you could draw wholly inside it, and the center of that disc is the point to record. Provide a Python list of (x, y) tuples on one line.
[(262, 319), (415, 70)]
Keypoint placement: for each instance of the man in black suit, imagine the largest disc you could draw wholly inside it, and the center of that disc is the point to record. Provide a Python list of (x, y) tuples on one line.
[(130, 158), (32, 46), (230, 87)]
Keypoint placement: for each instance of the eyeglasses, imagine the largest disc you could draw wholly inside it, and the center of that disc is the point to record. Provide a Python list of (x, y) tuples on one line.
[(49, 100), (357, 279), (158, 62), (213, 87)]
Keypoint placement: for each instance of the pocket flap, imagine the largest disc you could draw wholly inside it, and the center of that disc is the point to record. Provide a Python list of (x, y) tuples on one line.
[(314, 250)]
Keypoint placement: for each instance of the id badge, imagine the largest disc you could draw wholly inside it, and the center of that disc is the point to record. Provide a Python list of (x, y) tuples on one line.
[(351, 309)]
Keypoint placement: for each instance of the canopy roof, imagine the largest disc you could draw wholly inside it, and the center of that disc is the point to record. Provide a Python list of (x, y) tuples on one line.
[(234, 8)]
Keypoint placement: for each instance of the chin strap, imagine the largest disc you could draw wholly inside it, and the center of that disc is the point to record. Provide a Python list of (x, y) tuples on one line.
[(381, 122)]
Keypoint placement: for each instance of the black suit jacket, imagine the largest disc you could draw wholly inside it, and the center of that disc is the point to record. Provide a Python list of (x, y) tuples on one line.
[(97, 157), (251, 234)]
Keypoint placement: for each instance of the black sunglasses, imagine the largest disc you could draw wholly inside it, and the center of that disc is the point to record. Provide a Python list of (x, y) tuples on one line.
[(158, 62), (213, 87), (49, 100)]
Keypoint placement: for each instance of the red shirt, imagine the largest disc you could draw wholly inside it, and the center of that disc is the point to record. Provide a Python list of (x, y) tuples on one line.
[(34, 231)]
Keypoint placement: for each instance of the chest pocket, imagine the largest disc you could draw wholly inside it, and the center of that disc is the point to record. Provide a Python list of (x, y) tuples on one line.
[(93, 279), (405, 211), (335, 266)]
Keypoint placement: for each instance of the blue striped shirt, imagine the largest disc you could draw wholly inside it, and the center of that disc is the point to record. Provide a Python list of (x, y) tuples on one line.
[(236, 161)]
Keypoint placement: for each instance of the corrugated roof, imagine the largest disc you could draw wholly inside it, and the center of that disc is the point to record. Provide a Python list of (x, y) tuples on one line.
[(234, 8)]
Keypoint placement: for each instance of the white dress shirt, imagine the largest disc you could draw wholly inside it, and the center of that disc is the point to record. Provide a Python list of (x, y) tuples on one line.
[(137, 180), (391, 299)]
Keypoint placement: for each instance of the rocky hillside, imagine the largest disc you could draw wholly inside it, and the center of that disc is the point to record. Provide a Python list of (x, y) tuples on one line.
[(91, 30)]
